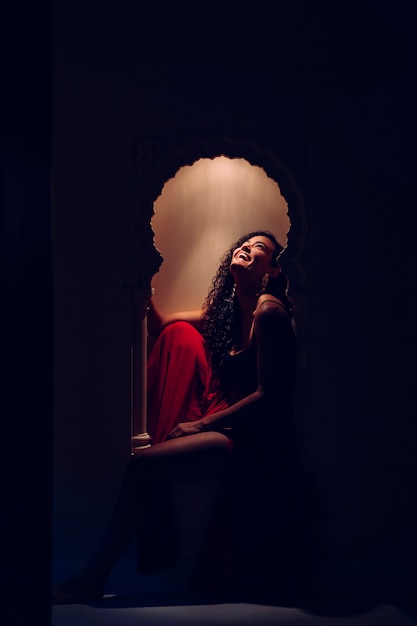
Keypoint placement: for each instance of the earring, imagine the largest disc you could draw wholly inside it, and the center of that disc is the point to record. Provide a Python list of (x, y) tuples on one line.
[(264, 284), (233, 294)]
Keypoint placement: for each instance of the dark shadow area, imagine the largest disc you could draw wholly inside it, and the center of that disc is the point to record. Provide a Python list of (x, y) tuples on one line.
[(26, 311), (330, 593), (354, 592), (147, 600)]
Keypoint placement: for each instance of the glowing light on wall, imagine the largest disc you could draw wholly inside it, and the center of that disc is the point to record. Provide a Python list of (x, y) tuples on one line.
[(199, 214)]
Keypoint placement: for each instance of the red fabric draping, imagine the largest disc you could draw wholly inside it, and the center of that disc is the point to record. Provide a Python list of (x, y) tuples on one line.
[(179, 380)]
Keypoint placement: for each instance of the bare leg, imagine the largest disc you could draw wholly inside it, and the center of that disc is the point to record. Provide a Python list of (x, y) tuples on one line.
[(201, 456)]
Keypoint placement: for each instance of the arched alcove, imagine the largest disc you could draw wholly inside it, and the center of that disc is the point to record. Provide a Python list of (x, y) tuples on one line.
[(155, 161)]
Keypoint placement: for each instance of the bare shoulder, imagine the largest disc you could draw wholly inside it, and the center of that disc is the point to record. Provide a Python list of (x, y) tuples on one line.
[(268, 306), (272, 323)]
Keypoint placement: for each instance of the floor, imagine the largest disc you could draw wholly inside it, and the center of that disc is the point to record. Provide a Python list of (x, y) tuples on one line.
[(161, 599)]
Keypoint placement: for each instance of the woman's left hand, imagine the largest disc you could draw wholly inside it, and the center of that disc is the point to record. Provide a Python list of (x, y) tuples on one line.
[(186, 428)]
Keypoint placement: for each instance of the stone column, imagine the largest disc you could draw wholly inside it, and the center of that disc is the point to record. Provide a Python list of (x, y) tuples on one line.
[(139, 435)]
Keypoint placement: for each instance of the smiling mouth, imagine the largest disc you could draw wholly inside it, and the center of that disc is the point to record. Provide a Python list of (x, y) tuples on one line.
[(243, 255)]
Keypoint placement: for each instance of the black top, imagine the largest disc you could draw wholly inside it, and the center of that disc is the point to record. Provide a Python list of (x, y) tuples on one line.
[(238, 373)]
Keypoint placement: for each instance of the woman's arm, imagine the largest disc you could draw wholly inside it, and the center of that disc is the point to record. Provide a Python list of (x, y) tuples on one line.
[(156, 321), (275, 361)]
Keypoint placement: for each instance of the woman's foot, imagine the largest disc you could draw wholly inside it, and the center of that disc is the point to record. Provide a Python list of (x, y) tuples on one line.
[(78, 590)]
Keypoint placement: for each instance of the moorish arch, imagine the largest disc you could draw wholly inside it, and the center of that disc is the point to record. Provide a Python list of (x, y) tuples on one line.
[(155, 161)]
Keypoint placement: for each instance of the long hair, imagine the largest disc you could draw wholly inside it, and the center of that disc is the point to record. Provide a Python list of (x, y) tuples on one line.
[(221, 311)]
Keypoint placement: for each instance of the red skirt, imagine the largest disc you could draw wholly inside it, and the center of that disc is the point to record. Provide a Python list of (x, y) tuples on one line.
[(180, 385)]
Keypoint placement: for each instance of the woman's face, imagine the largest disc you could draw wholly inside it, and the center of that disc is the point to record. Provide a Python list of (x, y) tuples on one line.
[(254, 257)]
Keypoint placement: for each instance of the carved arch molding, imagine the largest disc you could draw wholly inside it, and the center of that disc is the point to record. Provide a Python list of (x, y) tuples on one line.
[(156, 159)]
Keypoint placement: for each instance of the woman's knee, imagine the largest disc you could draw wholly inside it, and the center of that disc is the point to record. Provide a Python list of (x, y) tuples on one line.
[(181, 332), (209, 444)]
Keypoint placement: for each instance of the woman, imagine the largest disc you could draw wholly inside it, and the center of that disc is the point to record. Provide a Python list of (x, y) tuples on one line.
[(220, 401)]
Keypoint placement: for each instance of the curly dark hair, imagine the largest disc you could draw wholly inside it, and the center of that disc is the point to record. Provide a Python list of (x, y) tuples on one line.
[(221, 311)]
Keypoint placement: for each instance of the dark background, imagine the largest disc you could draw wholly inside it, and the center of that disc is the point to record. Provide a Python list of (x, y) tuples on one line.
[(338, 77)]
